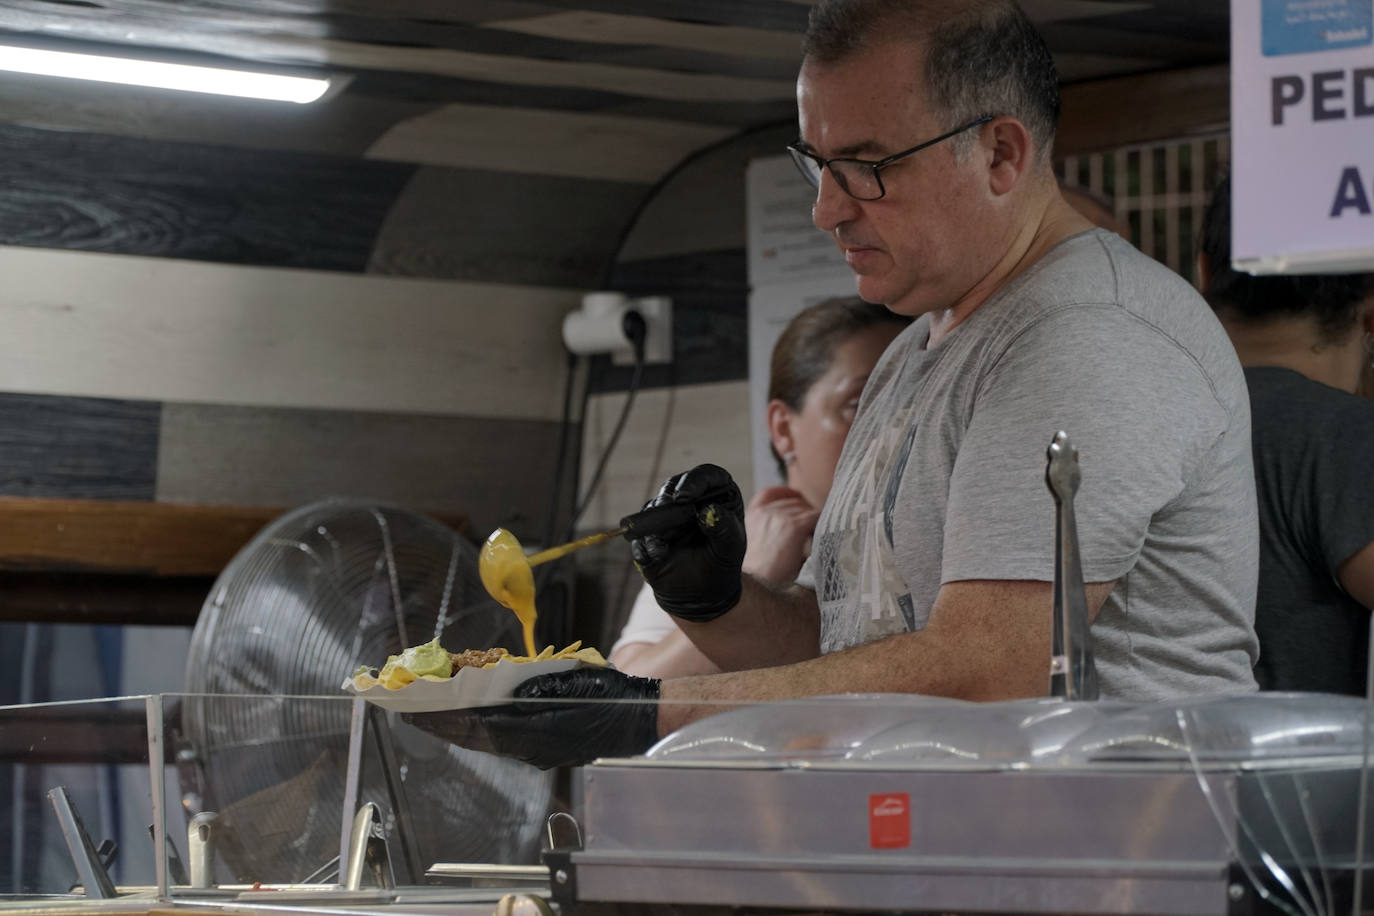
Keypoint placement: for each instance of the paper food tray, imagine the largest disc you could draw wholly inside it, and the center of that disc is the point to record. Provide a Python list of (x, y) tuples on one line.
[(469, 688)]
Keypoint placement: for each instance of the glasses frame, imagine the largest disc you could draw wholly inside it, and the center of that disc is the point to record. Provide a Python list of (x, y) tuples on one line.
[(799, 154)]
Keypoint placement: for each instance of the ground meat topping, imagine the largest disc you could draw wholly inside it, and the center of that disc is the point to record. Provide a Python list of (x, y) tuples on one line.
[(476, 658)]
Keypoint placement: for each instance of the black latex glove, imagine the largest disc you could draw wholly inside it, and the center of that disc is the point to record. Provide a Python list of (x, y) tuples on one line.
[(557, 733), (695, 569)]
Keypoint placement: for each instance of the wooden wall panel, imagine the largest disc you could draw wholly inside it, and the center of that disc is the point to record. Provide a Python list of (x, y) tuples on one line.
[(95, 192), (496, 472), (79, 448), (163, 329)]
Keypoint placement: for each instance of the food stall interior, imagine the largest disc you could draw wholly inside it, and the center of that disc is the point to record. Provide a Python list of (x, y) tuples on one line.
[(508, 152)]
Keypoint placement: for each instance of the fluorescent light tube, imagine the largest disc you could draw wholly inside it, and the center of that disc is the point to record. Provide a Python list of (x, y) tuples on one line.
[(158, 75)]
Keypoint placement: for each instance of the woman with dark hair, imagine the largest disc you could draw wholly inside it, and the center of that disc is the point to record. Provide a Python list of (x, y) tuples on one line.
[(818, 369), (1305, 342)]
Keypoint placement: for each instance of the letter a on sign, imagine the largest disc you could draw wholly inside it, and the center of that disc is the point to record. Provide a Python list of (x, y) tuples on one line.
[(889, 821), (1350, 194)]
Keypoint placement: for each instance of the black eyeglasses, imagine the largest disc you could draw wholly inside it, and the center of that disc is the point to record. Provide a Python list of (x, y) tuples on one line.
[(859, 177)]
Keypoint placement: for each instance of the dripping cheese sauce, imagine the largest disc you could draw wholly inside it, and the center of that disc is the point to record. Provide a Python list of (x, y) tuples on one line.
[(506, 575)]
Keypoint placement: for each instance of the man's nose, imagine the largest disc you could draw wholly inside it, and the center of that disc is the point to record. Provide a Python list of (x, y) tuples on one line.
[(833, 206)]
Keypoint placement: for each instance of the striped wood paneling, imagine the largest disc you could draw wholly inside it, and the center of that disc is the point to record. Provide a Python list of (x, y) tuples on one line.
[(132, 196), (162, 329), (497, 472), (95, 192), (76, 448)]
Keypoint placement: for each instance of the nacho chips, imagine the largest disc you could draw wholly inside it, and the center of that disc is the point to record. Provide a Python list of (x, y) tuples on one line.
[(394, 675), (587, 656)]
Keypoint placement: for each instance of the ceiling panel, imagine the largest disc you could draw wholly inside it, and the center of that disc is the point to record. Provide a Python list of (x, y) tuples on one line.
[(605, 147), (586, 25), (689, 70)]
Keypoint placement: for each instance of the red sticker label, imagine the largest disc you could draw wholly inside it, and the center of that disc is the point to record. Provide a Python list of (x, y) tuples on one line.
[(889, 821)]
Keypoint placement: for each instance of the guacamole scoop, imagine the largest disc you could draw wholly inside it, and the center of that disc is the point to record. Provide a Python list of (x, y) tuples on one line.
[(430, 660)]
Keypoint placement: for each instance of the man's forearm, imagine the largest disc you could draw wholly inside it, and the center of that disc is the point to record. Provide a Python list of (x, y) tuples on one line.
[(923, 662), (770, 626), (985, 640)]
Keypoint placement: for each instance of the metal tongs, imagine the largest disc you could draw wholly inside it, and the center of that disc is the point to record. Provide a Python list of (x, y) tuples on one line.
[(1073, 674)]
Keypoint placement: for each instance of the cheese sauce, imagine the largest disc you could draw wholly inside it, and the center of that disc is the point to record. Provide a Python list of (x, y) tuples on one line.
[(507, 576)]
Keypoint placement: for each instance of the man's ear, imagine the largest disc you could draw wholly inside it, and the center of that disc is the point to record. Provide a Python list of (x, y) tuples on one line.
[(1012, 152), (780, 427)]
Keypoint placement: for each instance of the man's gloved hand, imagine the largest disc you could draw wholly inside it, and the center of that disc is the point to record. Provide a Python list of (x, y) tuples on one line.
[(695, 570), (559, 732)]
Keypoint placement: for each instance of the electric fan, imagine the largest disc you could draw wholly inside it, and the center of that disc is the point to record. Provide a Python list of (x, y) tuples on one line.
[(319, 591)]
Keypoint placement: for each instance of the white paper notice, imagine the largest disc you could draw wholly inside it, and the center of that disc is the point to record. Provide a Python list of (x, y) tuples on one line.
[(1302, 122), (784, 246)]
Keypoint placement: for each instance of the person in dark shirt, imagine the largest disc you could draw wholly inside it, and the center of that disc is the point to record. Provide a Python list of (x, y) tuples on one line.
[(1305, 342)]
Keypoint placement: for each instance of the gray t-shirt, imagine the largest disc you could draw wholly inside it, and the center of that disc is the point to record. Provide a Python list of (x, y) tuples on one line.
[(942, 476), (1314, 447)]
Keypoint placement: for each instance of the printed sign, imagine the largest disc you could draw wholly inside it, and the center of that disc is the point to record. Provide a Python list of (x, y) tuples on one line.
[(784, 245), (1302, 135), (889, 821)]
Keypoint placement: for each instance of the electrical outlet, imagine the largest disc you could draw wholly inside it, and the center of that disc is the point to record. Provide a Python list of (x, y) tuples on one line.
[(658, 337)]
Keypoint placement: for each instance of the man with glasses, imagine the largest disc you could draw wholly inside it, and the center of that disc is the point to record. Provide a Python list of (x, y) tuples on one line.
[(927, 130)]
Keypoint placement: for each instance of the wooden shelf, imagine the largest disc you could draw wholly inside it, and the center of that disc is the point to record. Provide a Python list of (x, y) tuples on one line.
[(124, 538), (113, 562)]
